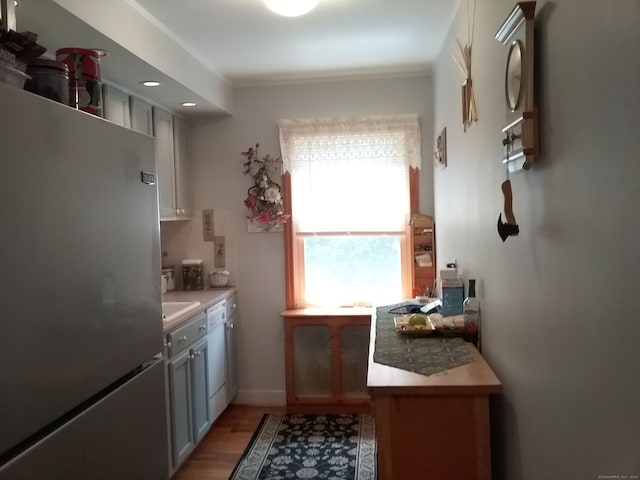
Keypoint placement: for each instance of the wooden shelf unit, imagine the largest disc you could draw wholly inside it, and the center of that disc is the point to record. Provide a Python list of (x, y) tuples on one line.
[(423, 244)]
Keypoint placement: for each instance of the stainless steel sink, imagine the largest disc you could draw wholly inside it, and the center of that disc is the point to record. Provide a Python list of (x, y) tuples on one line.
[(172, 310)]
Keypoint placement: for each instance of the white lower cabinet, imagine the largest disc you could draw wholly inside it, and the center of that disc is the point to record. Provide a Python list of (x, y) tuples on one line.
[(201, 376), (187, 368)]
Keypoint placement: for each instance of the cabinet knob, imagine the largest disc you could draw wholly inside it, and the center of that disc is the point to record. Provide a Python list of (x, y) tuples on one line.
[(229, 325), (182, 339), (202, 327), (197, 353)]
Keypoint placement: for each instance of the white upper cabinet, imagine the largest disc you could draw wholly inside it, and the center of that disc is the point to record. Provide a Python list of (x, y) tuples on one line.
[(141, 116), (181, 167), (116, 106), (171, 165)]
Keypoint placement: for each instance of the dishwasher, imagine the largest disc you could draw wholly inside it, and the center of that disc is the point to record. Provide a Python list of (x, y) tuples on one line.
[(216, 317)]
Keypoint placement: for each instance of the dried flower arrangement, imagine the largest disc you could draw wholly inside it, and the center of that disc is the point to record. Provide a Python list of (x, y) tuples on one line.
[(469, 109), (264, 202)]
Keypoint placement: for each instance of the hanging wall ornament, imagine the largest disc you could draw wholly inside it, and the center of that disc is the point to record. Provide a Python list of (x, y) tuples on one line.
[(463, 59)]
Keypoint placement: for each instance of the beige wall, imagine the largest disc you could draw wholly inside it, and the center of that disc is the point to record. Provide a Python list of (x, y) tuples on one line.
[(560, 318), (256, 260)]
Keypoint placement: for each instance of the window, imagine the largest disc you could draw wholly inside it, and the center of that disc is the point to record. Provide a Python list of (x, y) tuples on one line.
[(348, 182)]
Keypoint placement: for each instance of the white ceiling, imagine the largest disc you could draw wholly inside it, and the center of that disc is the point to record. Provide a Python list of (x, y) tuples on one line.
[(201, 49), (245, 43)]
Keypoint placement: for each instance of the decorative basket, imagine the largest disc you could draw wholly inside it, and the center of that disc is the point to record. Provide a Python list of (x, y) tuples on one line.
[(219, 278)]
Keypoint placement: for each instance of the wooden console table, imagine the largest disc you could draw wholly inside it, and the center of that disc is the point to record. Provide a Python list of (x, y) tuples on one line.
[(434, 426)]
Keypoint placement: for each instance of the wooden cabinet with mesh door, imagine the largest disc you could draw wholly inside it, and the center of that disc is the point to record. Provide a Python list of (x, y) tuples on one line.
[(326, 352)]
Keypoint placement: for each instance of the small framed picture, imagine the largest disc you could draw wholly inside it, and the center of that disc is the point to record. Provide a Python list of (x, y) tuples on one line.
[(440, 153)]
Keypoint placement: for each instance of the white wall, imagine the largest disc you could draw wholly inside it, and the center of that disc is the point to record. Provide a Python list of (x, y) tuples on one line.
[(559, 316), (256, 260)]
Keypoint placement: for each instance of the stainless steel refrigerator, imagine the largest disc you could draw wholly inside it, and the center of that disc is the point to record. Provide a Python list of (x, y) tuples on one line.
[(82, 392)]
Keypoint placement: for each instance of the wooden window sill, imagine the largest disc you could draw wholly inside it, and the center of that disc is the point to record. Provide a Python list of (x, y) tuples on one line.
[(324, 312)]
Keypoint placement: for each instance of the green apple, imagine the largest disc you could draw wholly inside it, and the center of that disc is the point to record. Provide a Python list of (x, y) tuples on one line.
[(417, 319)]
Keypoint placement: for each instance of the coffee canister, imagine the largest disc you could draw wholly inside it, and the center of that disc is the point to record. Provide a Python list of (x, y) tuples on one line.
[(192, 274), (85, 81), (49, 79)]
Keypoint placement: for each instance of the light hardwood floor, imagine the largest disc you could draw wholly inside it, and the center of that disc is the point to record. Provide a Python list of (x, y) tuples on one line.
[(221, 448)]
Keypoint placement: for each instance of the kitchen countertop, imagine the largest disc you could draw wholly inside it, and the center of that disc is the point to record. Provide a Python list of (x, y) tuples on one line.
[(207, 298), (475, 378)]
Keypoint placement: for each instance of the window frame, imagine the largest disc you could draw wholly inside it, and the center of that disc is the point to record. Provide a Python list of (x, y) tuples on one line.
[(294, 251)]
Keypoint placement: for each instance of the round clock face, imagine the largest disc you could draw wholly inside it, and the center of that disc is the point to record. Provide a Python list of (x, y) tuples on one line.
[(513, 76)]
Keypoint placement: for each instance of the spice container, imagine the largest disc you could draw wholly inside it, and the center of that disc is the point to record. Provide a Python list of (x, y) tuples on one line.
[(170, 273), (192, 274), (49, 79)]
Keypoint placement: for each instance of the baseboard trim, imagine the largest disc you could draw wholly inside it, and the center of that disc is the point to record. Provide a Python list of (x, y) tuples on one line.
[(275, 398)]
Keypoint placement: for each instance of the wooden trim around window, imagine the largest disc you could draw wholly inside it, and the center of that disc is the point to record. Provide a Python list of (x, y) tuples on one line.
[(288, 244), (414, 190)]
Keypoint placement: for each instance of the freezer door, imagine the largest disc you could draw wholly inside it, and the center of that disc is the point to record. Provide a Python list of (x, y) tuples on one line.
[(123, 436), (80, 256)]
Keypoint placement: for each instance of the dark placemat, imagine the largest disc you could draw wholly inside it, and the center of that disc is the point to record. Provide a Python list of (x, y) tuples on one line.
[(416, 354)]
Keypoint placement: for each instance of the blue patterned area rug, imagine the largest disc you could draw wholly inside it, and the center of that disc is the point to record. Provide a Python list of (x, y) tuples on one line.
[(322, 447)]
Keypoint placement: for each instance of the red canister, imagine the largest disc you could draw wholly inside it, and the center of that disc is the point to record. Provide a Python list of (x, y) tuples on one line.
[(85, 82)]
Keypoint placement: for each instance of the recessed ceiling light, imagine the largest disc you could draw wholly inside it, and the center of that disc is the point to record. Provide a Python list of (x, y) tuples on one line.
[(291, 8), (188, 104), (150, 83)]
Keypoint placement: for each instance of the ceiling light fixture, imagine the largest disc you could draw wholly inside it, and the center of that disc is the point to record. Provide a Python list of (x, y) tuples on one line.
[(188, 104), (291, 8), (150, 83)]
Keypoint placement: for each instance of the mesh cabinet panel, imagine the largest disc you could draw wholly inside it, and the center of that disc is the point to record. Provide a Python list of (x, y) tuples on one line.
[(312, 360), (354, 354)]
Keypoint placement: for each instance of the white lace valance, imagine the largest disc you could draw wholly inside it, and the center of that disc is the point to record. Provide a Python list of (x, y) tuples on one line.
[(389, 136)]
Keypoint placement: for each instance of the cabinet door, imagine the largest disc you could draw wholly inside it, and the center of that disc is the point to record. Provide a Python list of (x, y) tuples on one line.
[(141, 116), (354, 355), (181, 167), (199, 394), (180, 380), (163, 128), (312, 361), (116, 106)]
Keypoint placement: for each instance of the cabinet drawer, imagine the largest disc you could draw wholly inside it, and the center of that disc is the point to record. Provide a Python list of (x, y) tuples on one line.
[(184, 336)]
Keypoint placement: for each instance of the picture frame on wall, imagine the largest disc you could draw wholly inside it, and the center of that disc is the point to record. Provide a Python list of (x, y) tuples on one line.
[(440, 153)]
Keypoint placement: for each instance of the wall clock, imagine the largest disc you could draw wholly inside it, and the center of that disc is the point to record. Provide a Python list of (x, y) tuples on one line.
[(513, 76), (521, 130)]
